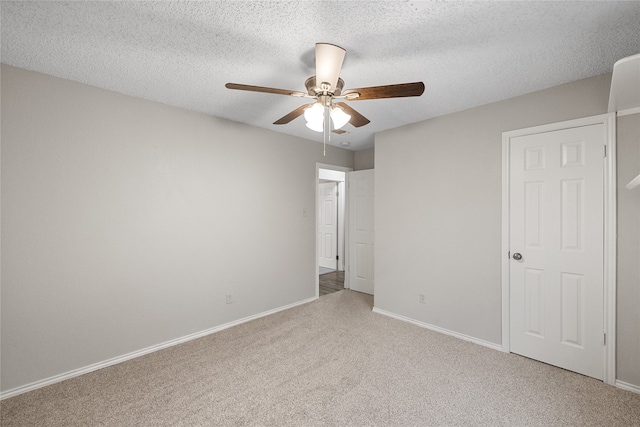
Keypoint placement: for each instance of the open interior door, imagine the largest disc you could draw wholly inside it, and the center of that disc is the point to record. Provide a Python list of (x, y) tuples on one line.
[(328, 225)]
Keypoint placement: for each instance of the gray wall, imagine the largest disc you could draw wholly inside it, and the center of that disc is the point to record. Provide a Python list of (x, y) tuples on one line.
[(125, 222), (438, 214), (628, 250), (364, 159)]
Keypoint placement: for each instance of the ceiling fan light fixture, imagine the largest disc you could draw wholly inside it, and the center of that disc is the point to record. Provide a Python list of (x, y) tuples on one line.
[(314, 115), (339, 117), (316, 127)]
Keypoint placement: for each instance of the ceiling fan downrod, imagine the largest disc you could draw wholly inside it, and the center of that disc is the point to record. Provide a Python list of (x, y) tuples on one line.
[(327, 130)]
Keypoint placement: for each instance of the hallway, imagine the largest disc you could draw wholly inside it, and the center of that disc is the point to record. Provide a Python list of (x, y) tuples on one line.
[(331, 282)]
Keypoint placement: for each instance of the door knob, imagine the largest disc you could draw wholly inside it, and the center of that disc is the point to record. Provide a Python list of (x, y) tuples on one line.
[(517, 256)]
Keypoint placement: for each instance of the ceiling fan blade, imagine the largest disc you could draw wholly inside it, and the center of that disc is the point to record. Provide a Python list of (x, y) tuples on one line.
[(388, 91), (356, 119), (329, 59), (263, 89), (339, 131), (292, 115)]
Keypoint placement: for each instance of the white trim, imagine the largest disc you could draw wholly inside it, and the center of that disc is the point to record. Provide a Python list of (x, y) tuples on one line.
[(610, 247), (119, 359), (346, 222), (628, 112), (610, 240), (627, 386), (504, 255), (439, 329)]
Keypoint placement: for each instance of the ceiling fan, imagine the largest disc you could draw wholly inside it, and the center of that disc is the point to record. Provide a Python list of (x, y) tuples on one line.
[(326, 87)]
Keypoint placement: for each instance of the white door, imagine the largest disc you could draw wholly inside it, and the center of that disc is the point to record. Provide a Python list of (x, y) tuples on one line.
[(328, 225), (556, 230), (361, 231)]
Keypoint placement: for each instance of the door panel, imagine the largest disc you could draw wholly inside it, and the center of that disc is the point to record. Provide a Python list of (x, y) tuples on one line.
[(533, 199), (361, 231), (556, 223), (534, 302), (572, 309)]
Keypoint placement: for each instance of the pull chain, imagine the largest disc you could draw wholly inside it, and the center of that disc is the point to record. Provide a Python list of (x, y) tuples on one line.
[(327, 131)]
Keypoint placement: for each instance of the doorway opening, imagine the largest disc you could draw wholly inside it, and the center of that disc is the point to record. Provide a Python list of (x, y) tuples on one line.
[(330, 228)]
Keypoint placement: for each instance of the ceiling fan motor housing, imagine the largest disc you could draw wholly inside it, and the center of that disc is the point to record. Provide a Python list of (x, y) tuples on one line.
[(314, 90)]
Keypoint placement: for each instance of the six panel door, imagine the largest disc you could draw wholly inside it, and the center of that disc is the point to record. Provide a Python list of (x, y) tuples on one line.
[(328, 225), (556, 226)]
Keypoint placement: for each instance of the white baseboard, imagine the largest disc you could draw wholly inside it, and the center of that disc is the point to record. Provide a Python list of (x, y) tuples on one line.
[(119, 359), (627, 386), (620, 384), (439, 329)]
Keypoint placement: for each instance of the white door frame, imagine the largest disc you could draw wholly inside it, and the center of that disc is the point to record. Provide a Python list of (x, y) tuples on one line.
[(346, 222), (609, 178)]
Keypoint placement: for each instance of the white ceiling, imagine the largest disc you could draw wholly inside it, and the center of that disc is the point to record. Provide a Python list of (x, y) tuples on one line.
[(182, 53)]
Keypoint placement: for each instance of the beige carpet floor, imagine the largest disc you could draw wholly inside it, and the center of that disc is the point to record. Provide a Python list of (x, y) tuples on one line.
[(332, 362)]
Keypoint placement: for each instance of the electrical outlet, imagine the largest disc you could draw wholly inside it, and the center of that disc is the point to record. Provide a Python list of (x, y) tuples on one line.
[(229, 298), (422, 299)]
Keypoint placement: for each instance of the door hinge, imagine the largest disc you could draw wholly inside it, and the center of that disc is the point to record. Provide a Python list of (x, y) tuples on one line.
[(605, 151), (337, 257), (509, 255), (604, 339)]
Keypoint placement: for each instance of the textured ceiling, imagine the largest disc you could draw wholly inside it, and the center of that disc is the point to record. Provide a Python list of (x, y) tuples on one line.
[(182, 53)]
